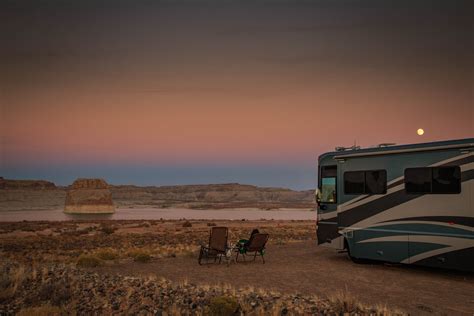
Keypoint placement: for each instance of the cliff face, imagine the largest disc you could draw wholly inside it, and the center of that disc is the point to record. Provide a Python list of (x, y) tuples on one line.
[(89, 196), (29, 194), (231, 195)]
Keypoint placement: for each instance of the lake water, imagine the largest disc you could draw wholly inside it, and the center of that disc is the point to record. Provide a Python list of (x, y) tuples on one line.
[(156, 214)]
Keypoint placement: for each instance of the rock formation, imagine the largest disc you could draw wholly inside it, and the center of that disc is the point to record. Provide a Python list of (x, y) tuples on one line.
[(89, 196)]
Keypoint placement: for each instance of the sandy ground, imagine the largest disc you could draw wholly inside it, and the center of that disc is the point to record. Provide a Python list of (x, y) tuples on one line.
[(304, 268), (294, 263)]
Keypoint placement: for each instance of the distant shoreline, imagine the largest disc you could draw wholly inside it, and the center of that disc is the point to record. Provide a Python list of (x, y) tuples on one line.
[(238, 214)]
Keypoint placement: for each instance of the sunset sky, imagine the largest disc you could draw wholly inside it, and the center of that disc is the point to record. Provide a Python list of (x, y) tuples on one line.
[(183, 92)]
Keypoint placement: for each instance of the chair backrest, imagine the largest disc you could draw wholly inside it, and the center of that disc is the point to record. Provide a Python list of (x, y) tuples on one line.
[(218, 238), (257, 242)]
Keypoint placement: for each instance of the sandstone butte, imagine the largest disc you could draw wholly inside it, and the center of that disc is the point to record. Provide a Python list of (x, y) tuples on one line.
[(89, 196)]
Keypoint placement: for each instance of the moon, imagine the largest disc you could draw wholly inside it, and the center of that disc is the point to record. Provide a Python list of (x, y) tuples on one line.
[(420, 131)]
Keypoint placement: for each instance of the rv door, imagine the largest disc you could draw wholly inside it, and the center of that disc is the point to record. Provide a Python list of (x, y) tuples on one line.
[(327, 207)]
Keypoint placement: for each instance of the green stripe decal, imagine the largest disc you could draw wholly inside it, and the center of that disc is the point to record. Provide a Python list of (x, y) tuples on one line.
[(414, 229), (416, 248)]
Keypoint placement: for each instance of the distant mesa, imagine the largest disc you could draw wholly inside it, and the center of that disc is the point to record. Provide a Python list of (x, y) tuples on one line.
[(89, 196), (9, 184)]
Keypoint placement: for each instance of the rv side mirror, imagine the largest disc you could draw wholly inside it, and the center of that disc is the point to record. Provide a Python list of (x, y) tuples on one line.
[(317, 195)]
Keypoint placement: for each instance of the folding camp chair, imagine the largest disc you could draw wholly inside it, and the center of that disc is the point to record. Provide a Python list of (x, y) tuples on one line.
[(217, 246), (255, 245)]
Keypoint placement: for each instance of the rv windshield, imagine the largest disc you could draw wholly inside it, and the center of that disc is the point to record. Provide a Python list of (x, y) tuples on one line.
[(328, 190), (328, 184)]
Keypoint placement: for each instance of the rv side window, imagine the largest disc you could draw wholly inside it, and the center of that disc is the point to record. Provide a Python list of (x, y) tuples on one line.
[(433, 180), (365, 182), (446, 180), (376, 182), (354, 182), (418, 180)]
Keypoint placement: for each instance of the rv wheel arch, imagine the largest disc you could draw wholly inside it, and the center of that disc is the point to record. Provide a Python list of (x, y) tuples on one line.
[(354, 259)]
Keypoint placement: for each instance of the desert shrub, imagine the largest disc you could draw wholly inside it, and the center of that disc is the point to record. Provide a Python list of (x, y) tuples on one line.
[(107, 254), (4, 279), (45, 290), (57, 292), (383, 310), (10, 281), (187, 224), (88, 261), (223, 306), (140, 256), (345, 302), (107, 229), (84, 231), (62, 293), (45, 310)]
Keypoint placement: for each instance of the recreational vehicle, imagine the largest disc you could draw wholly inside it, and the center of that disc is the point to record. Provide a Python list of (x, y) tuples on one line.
[(409, 204)]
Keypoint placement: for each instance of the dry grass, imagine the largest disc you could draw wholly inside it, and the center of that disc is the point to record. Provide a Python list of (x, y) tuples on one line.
[(222, 306), (345, 302), (187, 224), (107, 229), (10, 282), (107, 254), (383, 310), (166, 251), (59, 295), (140, 255), (88, 261), (45, 310)]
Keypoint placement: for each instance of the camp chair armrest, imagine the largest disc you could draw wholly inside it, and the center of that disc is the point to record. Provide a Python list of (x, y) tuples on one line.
[(209, 248)]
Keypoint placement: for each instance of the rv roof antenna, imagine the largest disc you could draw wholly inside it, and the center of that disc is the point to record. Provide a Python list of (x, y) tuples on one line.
[(353, 147)]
